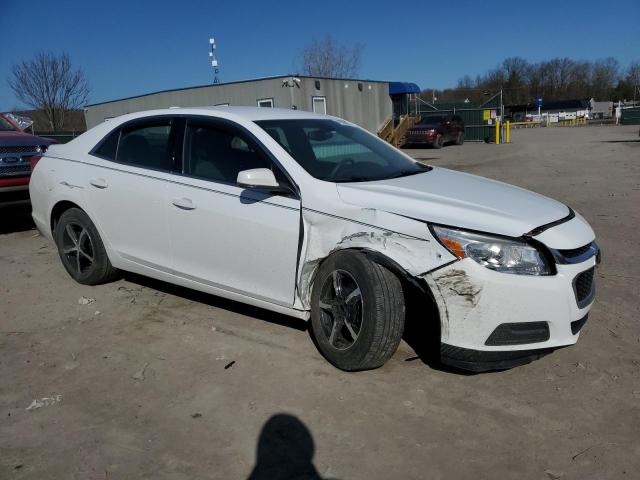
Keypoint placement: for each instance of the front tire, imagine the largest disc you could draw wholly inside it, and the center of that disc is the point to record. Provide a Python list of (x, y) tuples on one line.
[(357, 311), (439, 143), (81, 249), (460, 138)]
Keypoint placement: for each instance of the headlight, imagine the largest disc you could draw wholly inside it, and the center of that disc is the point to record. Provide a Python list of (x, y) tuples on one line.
[(495, 253)]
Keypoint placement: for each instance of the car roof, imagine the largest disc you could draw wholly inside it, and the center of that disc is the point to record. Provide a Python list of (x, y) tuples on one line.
[(246, 113), (89, 139)]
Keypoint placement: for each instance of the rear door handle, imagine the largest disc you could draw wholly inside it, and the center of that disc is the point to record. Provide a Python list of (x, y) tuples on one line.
[(184, 203), (98, 182)]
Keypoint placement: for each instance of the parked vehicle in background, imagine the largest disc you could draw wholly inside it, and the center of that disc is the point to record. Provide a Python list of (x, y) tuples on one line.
[(314, 217), (436, 130), (18, 152)]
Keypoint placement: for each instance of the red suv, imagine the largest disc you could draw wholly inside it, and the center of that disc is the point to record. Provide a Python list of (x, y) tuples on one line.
[(18, 150), (436, 130)]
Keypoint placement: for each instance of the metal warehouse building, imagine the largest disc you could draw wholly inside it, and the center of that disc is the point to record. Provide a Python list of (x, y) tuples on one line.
[(367, 103)]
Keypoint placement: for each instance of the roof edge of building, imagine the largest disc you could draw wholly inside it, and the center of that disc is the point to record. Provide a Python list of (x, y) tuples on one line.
[(233, 83)]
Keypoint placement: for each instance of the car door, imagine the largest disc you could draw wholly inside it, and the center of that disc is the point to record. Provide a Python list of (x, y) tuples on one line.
[(226, 236), (127, 190)]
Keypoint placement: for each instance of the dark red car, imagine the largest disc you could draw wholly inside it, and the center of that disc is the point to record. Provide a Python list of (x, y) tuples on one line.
[(436, 130), (17, 152)]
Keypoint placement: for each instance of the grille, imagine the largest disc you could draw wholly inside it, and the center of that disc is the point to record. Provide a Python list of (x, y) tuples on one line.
[(10, 170), (31, 149), (575, 252), (583, 286)]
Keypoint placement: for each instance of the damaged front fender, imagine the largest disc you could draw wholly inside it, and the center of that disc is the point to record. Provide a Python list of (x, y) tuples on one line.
[(406, 242)]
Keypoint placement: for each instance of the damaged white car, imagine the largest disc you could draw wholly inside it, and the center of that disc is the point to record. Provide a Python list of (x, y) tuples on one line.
[(314, 217)]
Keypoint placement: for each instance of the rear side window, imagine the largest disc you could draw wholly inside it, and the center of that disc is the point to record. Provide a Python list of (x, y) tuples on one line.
[(146, 145), (107, 149), (218, 152)]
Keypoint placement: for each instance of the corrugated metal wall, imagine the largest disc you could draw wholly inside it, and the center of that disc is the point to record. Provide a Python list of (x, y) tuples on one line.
[(367, 106)]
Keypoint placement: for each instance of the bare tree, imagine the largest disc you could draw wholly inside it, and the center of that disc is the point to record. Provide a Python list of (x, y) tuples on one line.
[(49, 83), (328, 58)]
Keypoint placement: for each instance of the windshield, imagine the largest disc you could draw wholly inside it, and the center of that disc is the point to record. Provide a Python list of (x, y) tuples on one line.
[(432, 120), (5, 126), (337, 152)]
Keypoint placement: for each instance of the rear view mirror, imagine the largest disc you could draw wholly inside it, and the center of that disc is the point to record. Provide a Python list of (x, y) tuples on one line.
[(257, 178), (320, 135)]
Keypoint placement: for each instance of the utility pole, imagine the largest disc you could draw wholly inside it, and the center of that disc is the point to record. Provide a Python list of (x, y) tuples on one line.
[(214, 60)]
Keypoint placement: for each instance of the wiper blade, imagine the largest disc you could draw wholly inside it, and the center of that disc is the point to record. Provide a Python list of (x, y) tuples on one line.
[(406, 173), (350, 179)]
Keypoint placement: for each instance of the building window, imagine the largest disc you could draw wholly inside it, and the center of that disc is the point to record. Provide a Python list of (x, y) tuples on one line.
[(265, 102), (359, 86), (319, 105), (317, 84)]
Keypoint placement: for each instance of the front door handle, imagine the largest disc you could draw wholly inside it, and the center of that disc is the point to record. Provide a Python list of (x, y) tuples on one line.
[(184, 203), (98, 182)]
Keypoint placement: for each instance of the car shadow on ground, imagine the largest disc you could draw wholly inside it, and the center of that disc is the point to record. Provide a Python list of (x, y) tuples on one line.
[(15, 218), (218, 302), (421, 332), (285, 451)]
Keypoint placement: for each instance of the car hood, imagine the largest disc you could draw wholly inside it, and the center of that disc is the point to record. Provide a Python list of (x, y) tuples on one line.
[(458, 199), (21, 139)]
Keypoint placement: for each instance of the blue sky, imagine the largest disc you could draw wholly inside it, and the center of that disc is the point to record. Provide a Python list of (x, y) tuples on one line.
[(139, 46)]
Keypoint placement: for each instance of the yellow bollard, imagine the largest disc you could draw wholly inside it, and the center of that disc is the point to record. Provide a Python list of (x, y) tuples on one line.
[(497, 131), (507, 133)]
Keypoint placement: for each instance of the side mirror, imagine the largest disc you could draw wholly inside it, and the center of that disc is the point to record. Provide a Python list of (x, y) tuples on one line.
[(258, 178)]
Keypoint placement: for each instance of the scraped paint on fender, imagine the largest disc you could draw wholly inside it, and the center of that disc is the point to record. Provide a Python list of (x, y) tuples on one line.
[(406, 242)]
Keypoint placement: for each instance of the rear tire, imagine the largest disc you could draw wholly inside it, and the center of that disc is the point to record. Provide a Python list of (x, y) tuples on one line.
[(357, 311), (81, 249), (460, 138)]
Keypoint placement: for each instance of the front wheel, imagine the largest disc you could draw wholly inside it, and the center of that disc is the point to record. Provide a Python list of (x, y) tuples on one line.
[(81, 249), (439, 143), (357, 311), (460, 138)]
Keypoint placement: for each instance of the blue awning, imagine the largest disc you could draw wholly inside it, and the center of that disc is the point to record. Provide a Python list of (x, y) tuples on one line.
[(403, 87)]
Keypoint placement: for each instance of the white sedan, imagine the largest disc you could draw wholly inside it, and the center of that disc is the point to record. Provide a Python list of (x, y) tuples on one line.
[(311, 216)]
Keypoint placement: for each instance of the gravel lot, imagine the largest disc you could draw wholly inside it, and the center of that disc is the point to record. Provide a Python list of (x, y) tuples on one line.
[(147, 380)]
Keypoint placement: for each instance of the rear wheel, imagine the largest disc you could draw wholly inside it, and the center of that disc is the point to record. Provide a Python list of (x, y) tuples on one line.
[(460, 138), (81, 249), (357, 312)]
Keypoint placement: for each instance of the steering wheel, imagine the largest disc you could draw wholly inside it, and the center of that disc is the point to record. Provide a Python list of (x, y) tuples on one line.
[(346, 162)]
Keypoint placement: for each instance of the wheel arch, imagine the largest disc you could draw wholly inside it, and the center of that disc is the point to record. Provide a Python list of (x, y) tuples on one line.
[(419, 284), (424, 316), (58, 209)]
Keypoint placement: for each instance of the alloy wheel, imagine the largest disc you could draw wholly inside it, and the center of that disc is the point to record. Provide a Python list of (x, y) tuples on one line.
[(341, 309), (77, 248)]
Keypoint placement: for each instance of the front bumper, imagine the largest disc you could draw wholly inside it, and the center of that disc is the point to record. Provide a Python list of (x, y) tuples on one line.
[(493, 318), (482, 361), (420, 140), (14, 190)]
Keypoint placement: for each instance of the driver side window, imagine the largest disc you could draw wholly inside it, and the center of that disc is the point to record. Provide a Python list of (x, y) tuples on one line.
[(218, 152)]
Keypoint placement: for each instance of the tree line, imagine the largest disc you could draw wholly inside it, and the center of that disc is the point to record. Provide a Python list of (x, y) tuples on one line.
[(555, 79)]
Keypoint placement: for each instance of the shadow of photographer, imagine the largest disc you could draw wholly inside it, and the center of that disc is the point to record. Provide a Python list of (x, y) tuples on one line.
[(285, 451)]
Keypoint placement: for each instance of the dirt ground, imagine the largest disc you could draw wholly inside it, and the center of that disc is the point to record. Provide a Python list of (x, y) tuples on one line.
[(146, 380)]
